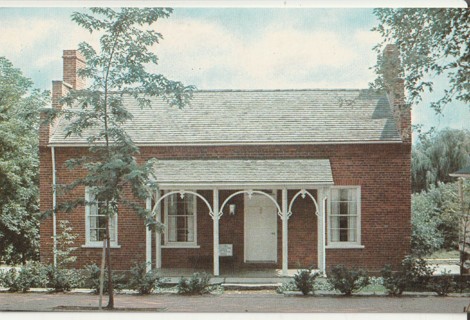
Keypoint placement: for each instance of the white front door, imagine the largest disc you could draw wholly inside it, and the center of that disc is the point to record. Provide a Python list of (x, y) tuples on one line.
[(260, 229)]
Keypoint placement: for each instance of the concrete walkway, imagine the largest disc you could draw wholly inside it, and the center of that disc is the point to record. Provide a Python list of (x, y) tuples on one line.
[(235, 301)]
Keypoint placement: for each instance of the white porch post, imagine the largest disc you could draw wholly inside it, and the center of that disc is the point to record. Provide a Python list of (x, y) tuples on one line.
[(284, 233), (321, 222), (158, 236), (215, 208), (148, 239)]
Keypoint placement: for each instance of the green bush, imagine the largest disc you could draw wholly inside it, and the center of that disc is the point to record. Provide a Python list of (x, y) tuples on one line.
[(394, 283), (347, 281), (11, 279), (304, 280), (91, 277), (288, 286), (63, 280), (142, 281), (31, 275), (197, 284), (414, 274), (442, 284)]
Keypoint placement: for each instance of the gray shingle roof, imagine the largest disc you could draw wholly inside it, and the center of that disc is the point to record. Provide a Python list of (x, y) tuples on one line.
[(172, 173), (276, 116)]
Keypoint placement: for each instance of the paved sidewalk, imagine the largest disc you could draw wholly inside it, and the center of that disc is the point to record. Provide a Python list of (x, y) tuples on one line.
[(236, 301)]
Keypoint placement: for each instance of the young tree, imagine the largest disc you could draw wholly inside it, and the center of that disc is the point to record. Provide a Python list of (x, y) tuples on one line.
[(435, 216), (19, 163), (431, 42), (118, 69)]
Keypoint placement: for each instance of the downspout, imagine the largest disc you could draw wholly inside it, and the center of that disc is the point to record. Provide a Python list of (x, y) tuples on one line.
[(54, 208), (324, 235)]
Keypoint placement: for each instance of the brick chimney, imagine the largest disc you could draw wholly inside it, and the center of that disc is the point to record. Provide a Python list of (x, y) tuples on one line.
[(72, 62), (395, 88)]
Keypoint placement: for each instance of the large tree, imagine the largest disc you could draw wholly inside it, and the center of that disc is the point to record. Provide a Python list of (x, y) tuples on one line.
[(118, 68), (19, 164), (432, 42), (437, 154)]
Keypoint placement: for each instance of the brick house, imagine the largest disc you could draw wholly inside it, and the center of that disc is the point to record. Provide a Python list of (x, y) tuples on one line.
[(277, 178)]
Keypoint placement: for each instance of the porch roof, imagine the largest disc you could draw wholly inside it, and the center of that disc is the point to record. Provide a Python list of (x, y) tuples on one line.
[(208, 174)]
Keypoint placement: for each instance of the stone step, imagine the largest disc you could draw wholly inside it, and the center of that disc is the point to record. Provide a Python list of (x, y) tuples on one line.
[(248, 286)]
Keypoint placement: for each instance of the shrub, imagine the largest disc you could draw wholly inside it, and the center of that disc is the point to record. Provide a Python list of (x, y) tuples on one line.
[(288, 286), (11, 279), (31, 275), (347, 281), (37, 273), (63, 280), (197, 284), (442, 284), (395, 284), (304, 280), (92, 279), (142, 281), (462, 282), (413, 274)]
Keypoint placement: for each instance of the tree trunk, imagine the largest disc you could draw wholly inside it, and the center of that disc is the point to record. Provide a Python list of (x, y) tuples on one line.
[(108, 262), (103, 255)]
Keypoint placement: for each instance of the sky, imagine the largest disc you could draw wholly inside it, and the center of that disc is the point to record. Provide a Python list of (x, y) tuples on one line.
[(229, 48)]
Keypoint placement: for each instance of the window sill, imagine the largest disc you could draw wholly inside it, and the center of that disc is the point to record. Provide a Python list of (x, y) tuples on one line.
[(181, 246), (344, 246), (100, 245)]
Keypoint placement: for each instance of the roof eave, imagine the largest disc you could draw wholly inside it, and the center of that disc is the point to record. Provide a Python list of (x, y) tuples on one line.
[(237, 143)]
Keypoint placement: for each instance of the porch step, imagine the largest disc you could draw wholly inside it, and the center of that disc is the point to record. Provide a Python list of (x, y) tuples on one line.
[(247, 286), (235, 283)]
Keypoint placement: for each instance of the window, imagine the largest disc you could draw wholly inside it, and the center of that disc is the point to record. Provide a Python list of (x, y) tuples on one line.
[(96, 222), (344, 216), (180, 219)]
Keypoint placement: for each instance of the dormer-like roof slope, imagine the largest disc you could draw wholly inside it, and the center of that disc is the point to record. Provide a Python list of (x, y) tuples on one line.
[(259, 117)]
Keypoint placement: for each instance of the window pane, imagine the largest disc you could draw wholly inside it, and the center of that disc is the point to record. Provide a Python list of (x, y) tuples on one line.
[(334, 229), (343, 208), (334, 207), (191, 229), (101, 221), (93, 235), (112, 231), (93, 222), (172, 229), (101, 233), (343, 228), (172, 206), (352, 208), (334, 194), (352, 235)]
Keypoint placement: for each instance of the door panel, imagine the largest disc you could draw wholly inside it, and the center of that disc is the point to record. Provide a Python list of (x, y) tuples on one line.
[(260, 229)]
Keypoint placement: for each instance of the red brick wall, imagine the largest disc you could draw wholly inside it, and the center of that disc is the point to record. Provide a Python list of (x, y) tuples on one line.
[(382, 171)]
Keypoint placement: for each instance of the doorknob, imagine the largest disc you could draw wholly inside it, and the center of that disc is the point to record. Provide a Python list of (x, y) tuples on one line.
[(273, 233)]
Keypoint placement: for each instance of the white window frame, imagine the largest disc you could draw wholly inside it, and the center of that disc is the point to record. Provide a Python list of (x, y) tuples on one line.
[(88, 242), (167, 243), (345, 244)]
